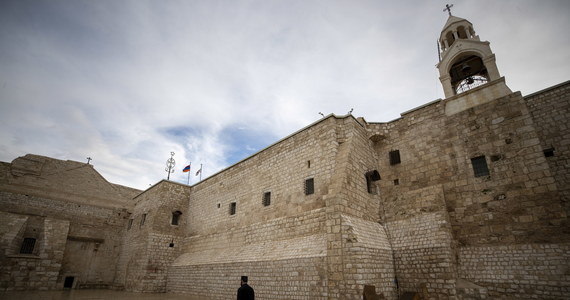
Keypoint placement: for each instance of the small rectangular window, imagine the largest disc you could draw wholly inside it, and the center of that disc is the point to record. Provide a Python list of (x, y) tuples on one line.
[(394, 157), (309, 186), (480, 166), (233, 206), (28, 246), (266, 198), (176, 217), (130, 224), (548, 152), (143, 219), (396, 181)]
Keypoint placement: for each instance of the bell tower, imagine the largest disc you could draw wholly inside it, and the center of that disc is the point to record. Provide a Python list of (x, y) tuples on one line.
[(467, 67)]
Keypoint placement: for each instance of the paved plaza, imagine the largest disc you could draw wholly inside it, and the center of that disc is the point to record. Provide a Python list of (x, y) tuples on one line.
[(93, 295)]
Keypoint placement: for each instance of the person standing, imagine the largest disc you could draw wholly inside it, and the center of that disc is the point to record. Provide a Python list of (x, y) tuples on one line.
[(245, 292)]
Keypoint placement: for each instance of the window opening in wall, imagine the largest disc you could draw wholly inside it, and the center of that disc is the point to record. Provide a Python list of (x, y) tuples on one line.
[(548, 152), (28, 246), (308, 164), (233, 208), (394, 157), (480, 166), (371, 177), (171, 245), (130, 224), (266, 198), (176, 217), (143, 219), (68, 283), (309, 186), (396, 181)]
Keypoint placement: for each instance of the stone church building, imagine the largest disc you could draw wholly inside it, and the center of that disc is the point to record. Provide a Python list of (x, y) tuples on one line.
[(466, 197)]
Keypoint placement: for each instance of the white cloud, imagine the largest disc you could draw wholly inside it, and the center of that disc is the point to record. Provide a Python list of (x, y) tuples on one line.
[(127, 82)]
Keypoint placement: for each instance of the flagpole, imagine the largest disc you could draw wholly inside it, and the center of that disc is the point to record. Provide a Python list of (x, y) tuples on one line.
[(200, 172), (189, 171)]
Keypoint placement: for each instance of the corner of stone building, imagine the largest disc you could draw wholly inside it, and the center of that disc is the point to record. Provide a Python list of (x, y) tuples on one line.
[(352, 206), (154, 237)]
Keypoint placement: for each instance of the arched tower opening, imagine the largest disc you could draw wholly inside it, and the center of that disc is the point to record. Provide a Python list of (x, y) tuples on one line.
[(466, 62), (468, 72)]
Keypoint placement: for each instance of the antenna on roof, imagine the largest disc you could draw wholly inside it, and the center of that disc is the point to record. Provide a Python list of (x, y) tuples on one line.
[(170, 163), (320, 113)]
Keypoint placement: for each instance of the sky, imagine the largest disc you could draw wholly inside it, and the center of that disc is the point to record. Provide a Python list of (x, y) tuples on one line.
[(128, 82)]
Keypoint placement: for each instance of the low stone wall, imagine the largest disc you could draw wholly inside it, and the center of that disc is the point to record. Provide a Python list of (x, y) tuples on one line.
[(367, 258), (298, 278), (531, 271), (423, 254)]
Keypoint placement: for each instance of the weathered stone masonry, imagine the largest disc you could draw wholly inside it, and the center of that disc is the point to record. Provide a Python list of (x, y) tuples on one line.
[(462, 198)]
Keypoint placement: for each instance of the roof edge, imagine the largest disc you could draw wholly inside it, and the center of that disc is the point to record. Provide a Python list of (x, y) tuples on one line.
[(332, 115)]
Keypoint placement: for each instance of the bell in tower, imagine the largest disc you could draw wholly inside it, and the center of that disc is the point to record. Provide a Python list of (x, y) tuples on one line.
[(467, 65)]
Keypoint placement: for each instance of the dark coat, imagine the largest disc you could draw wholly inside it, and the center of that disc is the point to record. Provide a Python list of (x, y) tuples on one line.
[(245, 292)]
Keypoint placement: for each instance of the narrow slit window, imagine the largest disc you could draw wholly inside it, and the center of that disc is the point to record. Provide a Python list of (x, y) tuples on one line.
[(309, 186), (266, 198), (233, 206), (480, 166), (28, 246), (143, 219), (176, 217), (394, 157), (130, 224)]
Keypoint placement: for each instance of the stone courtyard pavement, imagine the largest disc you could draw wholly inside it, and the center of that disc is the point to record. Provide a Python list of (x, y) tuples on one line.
[(92, 295)]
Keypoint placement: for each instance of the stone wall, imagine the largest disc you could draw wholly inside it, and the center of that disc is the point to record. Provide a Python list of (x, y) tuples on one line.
[(152, 241), (352, 205), (92, 231), (550, 111), (517, 203), (280, 169), (530, 271), (89, 214), (300, 278), (40, 269), (518, 200), (422, 244), (284, 259), (367, 258), (413, 208)]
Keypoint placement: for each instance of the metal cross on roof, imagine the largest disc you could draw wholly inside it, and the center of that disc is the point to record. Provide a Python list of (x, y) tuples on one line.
[(448, 8)]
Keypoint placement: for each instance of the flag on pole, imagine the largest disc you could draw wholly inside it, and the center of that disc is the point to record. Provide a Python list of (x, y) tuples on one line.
[(199, 171), (186, 169)]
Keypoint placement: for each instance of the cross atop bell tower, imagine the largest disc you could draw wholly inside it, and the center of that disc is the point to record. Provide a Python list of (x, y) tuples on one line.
[(448, 8), (466, 62)]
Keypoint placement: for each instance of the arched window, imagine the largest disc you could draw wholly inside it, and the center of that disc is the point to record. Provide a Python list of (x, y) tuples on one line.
[(450, 38), (462, 32), (176, 217)]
